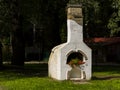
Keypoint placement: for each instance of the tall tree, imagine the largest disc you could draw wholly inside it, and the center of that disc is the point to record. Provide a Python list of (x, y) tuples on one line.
[(114, 21), (11, 26), (1, 54), (57, 19), (5, 27), (18, 48), (49, 16), (96, 16)]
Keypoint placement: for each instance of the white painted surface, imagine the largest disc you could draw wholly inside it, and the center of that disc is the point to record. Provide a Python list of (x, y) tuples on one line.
[(57, 67)]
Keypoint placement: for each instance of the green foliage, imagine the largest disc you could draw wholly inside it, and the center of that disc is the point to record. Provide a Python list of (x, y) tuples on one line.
[(74, 1), (63, 34), (114, 21), (96, 16), (32, 10), (101, 17), (5, 25)]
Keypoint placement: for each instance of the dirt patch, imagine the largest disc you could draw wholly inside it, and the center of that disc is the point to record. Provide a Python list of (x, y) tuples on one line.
[(105, 77), (81, 82)]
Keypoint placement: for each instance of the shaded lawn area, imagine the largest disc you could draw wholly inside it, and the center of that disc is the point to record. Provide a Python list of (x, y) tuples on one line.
[(35, 77)]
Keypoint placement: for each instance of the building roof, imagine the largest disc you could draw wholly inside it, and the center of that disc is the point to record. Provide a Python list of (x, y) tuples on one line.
[(103, 41)]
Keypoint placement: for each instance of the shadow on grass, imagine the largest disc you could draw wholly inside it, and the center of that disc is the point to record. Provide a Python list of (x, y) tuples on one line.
[(105, 77), (106, 68), (106, 72), (10, 72)]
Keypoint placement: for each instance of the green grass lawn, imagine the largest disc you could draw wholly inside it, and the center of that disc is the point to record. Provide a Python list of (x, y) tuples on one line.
[(34, 77)]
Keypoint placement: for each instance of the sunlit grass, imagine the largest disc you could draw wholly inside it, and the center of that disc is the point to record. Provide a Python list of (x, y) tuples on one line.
[(34, 77)]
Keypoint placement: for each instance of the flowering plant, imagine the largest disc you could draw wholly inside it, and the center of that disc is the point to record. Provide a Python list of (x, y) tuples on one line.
[(76, 61)]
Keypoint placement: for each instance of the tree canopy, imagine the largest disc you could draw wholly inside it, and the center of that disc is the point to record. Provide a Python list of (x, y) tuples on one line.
[(48, 18), (101, 17)]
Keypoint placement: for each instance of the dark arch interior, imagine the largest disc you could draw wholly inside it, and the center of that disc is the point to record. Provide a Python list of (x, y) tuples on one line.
[(74, 55)]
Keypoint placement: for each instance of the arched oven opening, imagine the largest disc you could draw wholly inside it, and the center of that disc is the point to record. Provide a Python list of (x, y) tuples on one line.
[(76, 60)]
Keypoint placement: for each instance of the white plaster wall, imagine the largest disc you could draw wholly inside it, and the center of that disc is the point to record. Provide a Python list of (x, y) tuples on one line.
[(58, 68), (75, 31)]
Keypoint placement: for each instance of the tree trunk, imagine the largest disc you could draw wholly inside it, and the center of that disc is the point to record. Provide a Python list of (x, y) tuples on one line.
[(1, 55), (18, 46)]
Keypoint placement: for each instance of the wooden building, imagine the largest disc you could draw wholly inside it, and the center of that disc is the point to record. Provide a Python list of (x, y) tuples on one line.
[(105, 49)]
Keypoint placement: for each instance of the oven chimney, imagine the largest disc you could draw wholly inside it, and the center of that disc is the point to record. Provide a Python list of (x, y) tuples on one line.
[(58, 65)]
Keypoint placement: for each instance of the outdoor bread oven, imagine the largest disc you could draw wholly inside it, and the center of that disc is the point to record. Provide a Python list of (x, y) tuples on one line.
[(71, 60)]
